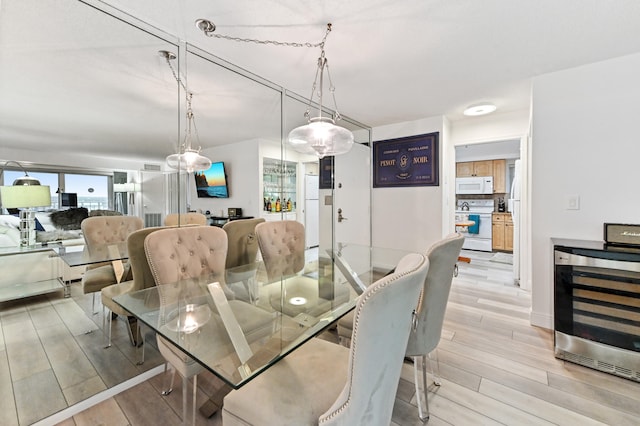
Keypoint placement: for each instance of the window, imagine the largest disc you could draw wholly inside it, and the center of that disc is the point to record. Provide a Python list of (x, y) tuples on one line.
[(92, 190)]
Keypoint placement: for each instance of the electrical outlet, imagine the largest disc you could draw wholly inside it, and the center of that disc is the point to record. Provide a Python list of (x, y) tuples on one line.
[(573, 202)]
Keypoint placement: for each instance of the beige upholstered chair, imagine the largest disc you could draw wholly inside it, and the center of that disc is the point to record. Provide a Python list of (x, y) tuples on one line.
[(282, 247), (190, 218), (140, 278), (432, 305), (173, 255), (321, 382), (99, 232), (242, 250), (431, 309)]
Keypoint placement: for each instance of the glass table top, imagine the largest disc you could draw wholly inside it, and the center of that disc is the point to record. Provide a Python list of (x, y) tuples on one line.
[(239, 323)]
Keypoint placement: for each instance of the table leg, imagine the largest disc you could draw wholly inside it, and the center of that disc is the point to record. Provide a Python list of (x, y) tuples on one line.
[(214, 403)]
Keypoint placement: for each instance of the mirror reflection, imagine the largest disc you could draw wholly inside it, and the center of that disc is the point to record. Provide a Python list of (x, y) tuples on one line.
[(87, 82)]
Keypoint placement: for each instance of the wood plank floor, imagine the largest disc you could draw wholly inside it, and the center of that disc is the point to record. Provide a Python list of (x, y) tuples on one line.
[(495, 368)]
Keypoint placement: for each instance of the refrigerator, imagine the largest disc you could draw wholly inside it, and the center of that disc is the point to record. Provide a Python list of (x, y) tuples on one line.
[(514, 208), (312, 210)]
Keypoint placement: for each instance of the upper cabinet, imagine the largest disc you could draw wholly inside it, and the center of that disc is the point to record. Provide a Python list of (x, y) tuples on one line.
[(495, 168), (474, 168)]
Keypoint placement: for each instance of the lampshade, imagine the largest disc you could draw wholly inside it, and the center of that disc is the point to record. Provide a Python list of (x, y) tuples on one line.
[(190, 160), (321, 137), (23, 196)]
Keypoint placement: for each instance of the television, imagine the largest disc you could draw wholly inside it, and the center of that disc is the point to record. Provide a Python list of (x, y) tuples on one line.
[(69, 199), (212, 183)]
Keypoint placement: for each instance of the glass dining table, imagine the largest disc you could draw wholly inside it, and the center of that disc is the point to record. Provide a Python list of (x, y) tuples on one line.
[(240, 322)]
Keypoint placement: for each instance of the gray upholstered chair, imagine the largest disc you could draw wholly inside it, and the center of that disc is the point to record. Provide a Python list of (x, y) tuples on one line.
[(140, 277), (242, 250), (190, 218), (99, 233), (432, 305), (431, 309), (321, 382)]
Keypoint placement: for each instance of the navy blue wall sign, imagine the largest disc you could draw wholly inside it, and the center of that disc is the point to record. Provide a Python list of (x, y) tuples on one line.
[(326, 173), (409, 161)]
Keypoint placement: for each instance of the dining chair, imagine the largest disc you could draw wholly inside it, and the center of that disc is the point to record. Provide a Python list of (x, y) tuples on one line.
[(190, 218), (100, 232), (242, 250), (176, 254), (322, 382), (282, 247), (431, 309), (140, 278)]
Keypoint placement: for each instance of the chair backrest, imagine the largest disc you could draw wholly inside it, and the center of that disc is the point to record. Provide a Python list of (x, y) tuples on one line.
[(282, 247), (99, 231), (432, 303), (381, 325), (140, 271), (242, 241), (179, 253), (190, 218)]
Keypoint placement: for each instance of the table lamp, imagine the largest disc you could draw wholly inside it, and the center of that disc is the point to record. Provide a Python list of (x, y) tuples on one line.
[(26, 197)]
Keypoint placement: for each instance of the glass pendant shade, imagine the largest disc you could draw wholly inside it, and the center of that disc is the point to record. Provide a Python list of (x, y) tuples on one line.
[(321, 137), (190, 160)]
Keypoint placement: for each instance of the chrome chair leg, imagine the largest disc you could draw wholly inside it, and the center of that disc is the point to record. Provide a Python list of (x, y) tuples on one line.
[(185, 393), (420, 379), (108, 318), (435, 369), (168, 389)]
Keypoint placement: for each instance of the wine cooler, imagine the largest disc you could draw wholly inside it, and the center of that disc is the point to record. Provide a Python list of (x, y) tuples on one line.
[(597, 306)]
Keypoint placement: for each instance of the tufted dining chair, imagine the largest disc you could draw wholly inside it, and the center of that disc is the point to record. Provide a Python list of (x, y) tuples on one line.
[(431, 308), (177, 254), (282, 247), (99, 233), (190, 218), (322, 382), (242, 250), (139, 278)]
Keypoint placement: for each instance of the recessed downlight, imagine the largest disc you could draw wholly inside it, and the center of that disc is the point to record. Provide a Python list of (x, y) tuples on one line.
[(480, 109)]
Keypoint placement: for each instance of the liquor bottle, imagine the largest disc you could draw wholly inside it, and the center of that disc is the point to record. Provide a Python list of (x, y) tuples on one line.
[(289, 205), (269, 204), (278, 206)]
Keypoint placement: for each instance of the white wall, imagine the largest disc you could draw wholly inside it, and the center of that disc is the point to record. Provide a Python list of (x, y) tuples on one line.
[(410, 218), (242, 166), (585, 125)]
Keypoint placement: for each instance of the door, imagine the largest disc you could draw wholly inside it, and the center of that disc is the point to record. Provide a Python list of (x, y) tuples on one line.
[(352, 196)]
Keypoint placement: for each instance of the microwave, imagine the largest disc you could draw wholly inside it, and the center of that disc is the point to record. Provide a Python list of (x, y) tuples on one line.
[(474, 185)]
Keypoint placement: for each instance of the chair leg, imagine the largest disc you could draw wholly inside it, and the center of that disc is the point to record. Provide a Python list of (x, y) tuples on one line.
[(185, 393), (420, 379), (93, 303), (141, 343), (168, 389), (109, 321), (435, 369)]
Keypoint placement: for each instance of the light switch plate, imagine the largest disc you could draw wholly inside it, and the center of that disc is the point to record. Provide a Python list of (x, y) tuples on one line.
[(573, 202)]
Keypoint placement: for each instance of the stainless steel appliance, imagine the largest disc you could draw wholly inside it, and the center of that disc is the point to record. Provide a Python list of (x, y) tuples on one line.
[(477, 237), (474, 185), (597, 306)]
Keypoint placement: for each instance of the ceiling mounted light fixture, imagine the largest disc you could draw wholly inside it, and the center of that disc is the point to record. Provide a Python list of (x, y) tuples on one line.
[(482, 108), (188, 158), (320, 136)]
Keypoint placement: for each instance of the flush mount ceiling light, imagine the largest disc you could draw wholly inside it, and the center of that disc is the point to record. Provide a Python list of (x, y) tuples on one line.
[(482, 108), (188, 158), (320, 136)]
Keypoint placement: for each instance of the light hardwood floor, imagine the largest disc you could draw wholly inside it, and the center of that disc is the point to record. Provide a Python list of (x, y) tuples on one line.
[(496, 369)]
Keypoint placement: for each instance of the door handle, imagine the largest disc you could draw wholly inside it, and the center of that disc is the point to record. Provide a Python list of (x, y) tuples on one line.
[(340, 217)]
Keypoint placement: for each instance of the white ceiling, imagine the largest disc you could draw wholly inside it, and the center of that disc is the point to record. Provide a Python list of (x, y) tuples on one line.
[(74, 78)]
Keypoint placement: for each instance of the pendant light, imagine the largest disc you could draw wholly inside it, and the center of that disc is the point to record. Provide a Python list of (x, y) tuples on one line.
[(188, 158)]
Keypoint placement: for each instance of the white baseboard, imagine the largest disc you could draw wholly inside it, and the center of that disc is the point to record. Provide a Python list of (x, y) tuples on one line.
[(541, 320)]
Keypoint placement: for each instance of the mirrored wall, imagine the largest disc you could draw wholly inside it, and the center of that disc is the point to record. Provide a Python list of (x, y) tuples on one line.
[(89, 79)]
